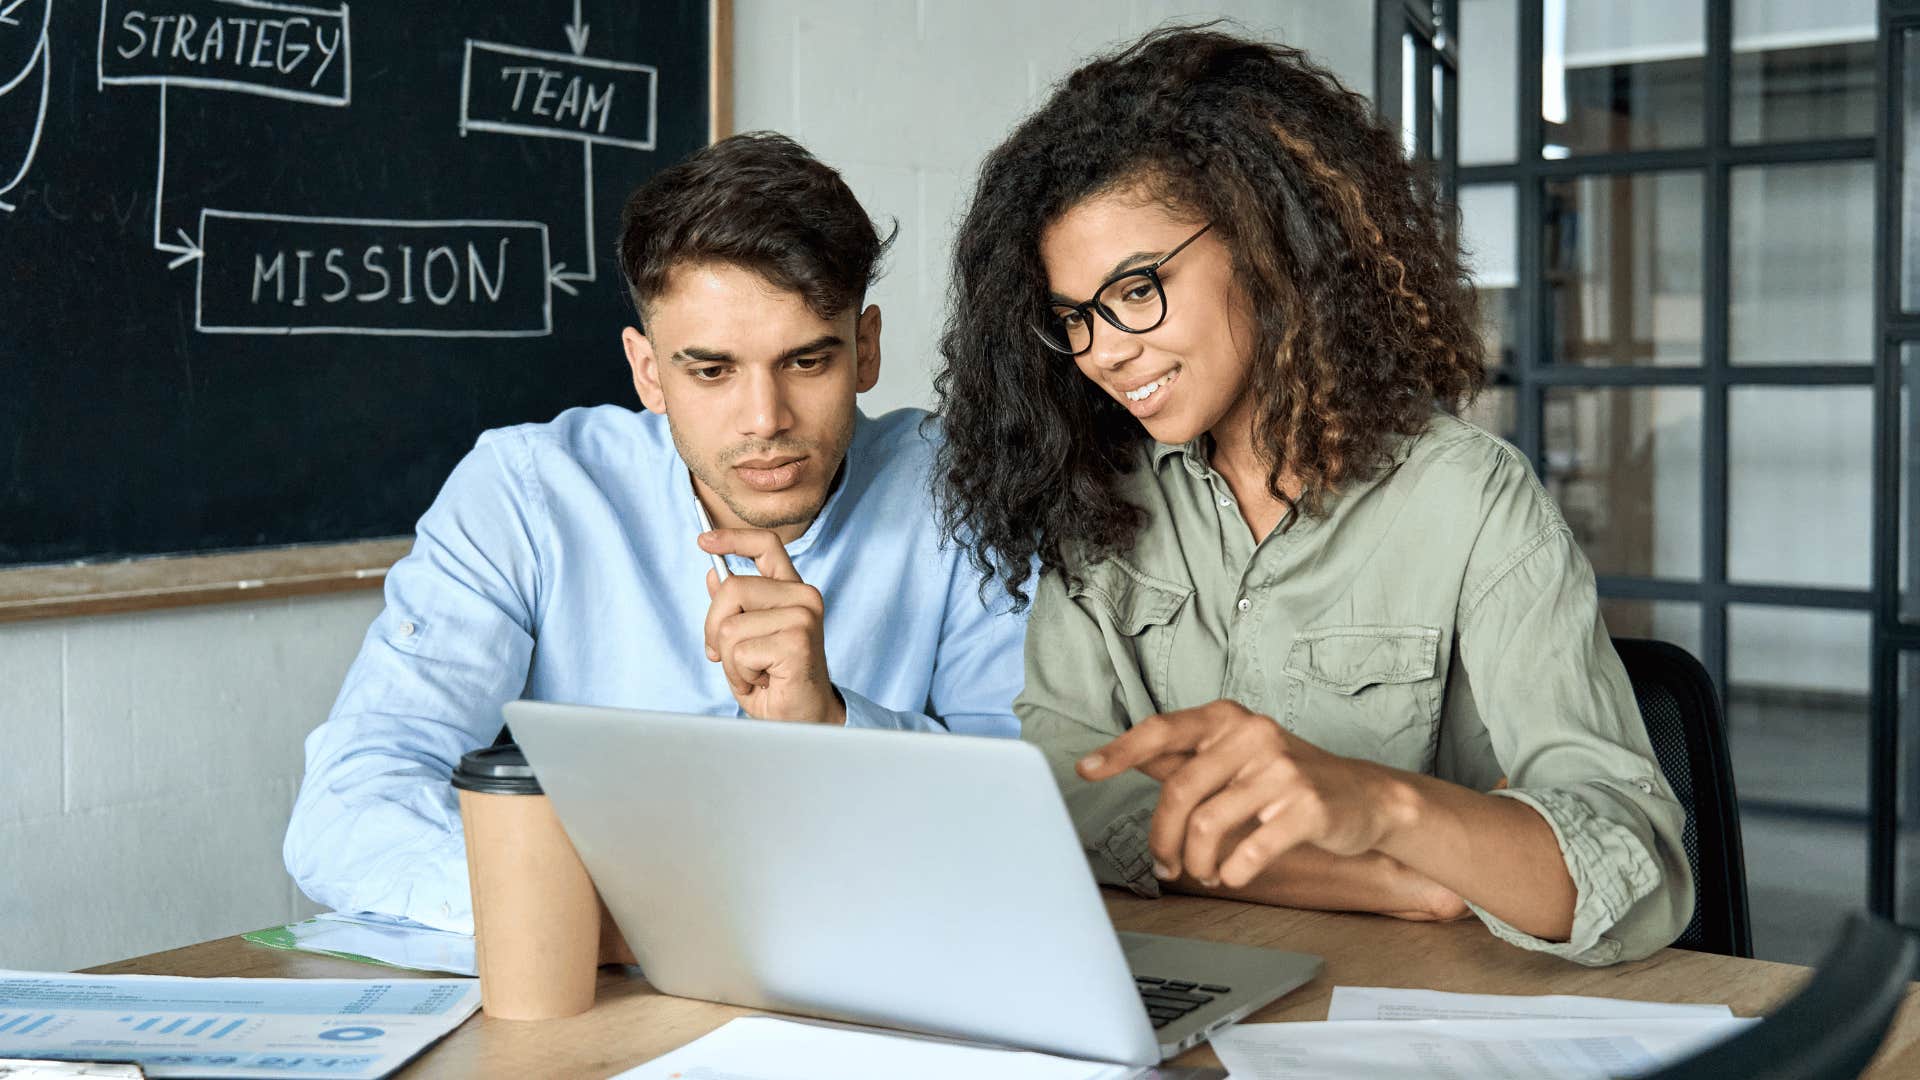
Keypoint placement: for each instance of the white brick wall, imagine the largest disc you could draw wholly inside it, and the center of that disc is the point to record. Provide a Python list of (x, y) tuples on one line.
[(148, 761)]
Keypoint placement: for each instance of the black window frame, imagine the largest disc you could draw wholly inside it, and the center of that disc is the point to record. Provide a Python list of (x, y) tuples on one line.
[(1429, 23)]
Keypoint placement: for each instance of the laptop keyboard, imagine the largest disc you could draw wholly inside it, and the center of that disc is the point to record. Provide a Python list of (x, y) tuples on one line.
[(1168, 1000)]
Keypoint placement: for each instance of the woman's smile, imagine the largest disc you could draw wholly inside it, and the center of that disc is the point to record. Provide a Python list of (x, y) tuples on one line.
[(1149, 398)]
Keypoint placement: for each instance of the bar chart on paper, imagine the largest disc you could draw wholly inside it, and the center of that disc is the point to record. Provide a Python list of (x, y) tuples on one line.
[(185, 1027), (23, 1023)]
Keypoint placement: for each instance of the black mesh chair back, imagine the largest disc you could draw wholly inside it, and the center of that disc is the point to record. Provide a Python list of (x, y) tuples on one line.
[(1831, 1028), (1682, 713)]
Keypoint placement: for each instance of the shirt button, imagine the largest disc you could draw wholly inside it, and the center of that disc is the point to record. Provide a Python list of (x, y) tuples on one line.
[(1244, 604), (1644, 786), (406, 629), (1224, 501)]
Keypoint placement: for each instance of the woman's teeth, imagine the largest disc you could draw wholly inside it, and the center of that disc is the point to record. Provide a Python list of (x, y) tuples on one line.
[(1148, 390)]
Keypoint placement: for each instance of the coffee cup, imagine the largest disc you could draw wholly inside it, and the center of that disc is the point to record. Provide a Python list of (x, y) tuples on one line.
[(536, 917)]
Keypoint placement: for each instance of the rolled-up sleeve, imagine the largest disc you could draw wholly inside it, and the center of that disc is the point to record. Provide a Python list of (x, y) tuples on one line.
[(376, 826), (1560, 717), (1076, 700)]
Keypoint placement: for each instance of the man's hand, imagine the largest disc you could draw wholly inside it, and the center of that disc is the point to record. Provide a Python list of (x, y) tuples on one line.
[(766, 633)]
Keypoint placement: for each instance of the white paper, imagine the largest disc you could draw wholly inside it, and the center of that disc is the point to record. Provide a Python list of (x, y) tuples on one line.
[(170, 1026), (16, 1069), (390, 941), (765, 1048), (1449, 1049), (1393, 1003)]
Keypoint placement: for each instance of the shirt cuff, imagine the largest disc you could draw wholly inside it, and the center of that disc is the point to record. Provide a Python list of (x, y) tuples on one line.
[(1611, 870), (444, 908), (432, 891), (1120, 855), (863, 712)]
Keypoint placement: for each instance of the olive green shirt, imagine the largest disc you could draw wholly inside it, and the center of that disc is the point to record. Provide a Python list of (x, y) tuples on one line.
[(1439, 619)]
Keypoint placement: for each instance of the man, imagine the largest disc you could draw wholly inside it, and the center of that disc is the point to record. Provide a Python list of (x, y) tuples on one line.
[(560, 561)]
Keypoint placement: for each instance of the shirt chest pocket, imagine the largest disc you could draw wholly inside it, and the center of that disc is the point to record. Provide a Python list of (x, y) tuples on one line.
[(1142, 613), (1369, 692)]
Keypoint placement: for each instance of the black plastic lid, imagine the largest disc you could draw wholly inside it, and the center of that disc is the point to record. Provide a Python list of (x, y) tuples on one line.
[(496, 770)]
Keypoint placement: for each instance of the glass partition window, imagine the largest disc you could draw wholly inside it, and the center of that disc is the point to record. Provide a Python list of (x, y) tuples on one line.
[(1803, 70), (1907, 872), (1800, 485), (1797, 709), (1908, 463), (1624, 268), (1797, 684), (1489, 216), (1621, 75), (1489, 58), (1801, 270), (1910, 174), (1624, 467)]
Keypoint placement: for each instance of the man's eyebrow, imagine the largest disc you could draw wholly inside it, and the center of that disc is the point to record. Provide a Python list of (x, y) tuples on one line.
[(700, 354), (693, 353), (819, 344), (1126, 262)]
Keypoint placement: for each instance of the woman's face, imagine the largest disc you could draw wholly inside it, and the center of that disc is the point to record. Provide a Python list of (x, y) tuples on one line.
[(1185, 376)]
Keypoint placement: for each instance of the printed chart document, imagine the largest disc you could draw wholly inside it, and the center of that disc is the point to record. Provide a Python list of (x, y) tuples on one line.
[(1449, 1049), (766, 1048), (1392, 1003), (170, 1026)]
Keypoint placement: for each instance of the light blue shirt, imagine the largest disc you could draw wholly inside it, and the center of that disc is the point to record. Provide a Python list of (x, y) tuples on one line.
[(559, 563)]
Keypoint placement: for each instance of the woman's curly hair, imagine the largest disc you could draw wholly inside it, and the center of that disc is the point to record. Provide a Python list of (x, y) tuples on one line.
[(1342, 247)]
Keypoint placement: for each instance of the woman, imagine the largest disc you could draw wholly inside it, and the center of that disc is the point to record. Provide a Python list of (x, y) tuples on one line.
[(1300, 635)]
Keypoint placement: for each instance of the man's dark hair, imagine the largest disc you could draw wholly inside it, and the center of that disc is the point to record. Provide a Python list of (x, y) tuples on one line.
[(758, 201)]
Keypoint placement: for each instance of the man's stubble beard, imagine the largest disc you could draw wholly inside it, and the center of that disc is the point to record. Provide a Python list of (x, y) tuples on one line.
[(713, 475)]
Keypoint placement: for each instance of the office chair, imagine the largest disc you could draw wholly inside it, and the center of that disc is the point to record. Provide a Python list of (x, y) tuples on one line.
[(1831, 1028), (1682, 714)]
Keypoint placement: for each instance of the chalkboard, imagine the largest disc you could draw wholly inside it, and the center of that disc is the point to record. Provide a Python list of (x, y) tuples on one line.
[(267, 269)]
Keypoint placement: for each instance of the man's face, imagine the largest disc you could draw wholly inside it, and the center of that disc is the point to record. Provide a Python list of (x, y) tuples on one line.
[(757, 389)]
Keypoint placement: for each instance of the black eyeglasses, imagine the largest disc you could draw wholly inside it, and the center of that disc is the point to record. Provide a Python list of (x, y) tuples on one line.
[(1134, 302)]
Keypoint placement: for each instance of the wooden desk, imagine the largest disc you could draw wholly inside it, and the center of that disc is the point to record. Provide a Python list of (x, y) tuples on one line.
[(630, 1023)]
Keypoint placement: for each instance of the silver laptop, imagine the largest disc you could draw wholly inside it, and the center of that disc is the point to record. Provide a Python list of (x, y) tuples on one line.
[(926, 882)]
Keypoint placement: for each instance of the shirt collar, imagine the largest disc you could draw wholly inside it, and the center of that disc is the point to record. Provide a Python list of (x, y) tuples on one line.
[(1193, 453)]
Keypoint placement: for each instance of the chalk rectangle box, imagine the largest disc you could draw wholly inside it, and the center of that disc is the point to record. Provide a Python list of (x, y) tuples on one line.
[(289, 274), (287, 51), (519, 91)]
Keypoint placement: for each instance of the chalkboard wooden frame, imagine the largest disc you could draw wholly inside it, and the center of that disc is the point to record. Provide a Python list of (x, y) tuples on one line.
[(144, 584)]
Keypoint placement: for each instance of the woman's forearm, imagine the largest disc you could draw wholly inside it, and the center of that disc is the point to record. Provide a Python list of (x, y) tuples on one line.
[(1310, 877), (1495, 852)]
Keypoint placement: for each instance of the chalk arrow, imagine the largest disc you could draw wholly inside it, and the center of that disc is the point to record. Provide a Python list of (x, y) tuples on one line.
[(6, 14), (563, 282), (187, 250), (186, 254), (577, 32)]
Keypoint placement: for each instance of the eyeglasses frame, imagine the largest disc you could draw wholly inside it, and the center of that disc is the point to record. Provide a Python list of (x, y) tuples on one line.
[(1151, 272)]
